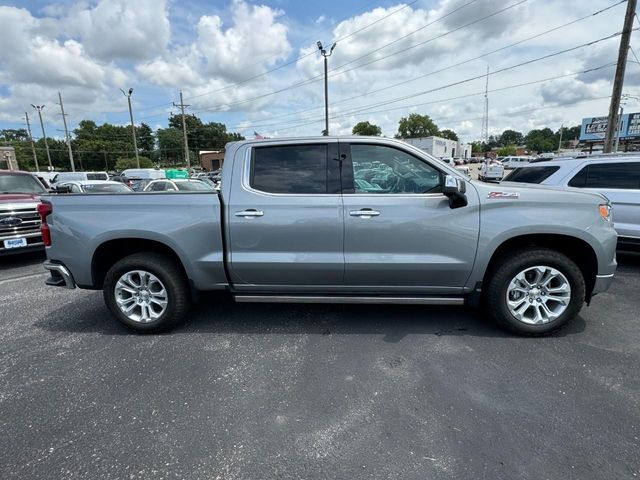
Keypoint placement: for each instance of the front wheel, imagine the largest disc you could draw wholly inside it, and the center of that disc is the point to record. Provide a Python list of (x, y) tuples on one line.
[(147, 292), (535, 291)]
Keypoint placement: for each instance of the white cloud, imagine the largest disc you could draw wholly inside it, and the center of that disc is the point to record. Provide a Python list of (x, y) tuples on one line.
[(123, 29)]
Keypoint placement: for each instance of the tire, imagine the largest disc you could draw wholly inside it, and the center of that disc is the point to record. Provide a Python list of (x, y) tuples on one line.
[(161, 274), (537, 303)]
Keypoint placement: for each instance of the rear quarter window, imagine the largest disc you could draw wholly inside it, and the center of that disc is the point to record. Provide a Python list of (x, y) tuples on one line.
[(531, 175), (293, 169), (609, 175)]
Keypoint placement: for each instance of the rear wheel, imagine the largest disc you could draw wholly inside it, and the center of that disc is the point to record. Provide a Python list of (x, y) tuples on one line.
[(147, 292), (535, 291)]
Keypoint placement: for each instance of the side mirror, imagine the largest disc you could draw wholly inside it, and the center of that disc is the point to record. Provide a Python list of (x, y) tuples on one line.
[(455, 188)]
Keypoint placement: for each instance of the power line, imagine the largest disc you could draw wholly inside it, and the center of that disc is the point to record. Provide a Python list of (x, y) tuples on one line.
[(538, 35), (495, 72), (352, 112)]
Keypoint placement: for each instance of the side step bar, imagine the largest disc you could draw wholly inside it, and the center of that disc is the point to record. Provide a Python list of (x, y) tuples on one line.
[(353, 299)]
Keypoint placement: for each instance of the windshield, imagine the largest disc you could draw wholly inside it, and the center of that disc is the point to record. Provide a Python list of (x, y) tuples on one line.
[(194, 186), (105, 188), (20, 184)]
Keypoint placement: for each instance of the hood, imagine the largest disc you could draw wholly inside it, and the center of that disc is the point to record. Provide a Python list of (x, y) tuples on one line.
[(19, 198)]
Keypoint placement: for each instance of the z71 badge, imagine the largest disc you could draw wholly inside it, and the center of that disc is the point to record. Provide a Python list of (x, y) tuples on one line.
[(503, 195)]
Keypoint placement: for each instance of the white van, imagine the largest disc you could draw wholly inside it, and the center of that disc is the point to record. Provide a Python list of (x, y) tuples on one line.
[(79, 176), (515, 162), (143, 173)]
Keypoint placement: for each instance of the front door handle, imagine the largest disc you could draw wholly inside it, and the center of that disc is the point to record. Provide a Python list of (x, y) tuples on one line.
[(364, 213), (250, 213)]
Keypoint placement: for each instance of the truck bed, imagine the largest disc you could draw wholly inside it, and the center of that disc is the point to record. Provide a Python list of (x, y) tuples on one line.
[(83, 224)]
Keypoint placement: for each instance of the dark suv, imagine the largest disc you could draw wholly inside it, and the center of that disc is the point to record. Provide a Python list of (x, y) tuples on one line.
[(19, 219)]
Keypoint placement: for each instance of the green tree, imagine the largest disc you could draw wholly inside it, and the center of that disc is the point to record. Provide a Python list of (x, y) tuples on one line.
[(366, 128), (511, 137), (416, 126), (146, 139), (506, 150), (477, 148), (541, 140), (450, 134), (124, 163), (171, 146)]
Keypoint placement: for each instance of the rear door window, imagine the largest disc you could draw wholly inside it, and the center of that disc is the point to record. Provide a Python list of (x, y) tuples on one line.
[(531, 175), (290, 169), (624, 176)]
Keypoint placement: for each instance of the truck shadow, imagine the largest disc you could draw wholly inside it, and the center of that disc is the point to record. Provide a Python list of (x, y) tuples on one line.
[(219, 315)]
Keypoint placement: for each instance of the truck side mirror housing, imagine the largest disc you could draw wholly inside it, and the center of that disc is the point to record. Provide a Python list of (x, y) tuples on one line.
[(455, 188)]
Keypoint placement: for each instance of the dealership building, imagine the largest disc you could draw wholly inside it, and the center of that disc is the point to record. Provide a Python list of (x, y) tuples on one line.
[(441, 147)]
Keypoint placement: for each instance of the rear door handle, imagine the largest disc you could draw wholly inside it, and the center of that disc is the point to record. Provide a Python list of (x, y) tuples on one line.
[(364, 213), (250, 213)]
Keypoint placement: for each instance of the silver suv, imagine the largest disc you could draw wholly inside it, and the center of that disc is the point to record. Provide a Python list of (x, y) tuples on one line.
[(616, 177)]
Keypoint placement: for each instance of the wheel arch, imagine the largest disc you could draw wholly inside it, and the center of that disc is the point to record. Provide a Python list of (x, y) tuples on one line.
[(575, 248), (111, 251)]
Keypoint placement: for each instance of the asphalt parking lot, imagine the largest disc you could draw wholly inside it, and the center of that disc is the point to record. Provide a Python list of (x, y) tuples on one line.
[(252, 391)]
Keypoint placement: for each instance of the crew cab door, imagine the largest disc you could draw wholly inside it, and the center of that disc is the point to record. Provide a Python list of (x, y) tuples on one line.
[(400, 233), (285, 225)]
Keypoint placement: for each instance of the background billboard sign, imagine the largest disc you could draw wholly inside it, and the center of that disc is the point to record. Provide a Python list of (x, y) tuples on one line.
[(594, 128), (633, 126)]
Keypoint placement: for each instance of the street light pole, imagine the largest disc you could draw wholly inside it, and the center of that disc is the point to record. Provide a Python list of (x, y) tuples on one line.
[(33, 146), (325, 55), (44, 135), (133, 127)]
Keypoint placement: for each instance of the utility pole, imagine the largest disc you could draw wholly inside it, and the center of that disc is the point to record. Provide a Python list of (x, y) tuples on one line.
[(184, 131), (106, 165), (618, 81), (560, 141), (33, 145), (133, 127), (66, 133), (44, 135), (325, 55)]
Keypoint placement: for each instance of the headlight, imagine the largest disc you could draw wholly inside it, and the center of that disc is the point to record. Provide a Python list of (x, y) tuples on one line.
[(605, 211)]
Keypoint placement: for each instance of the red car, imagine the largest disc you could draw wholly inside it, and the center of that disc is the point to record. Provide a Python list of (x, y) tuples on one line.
[(19, 219)]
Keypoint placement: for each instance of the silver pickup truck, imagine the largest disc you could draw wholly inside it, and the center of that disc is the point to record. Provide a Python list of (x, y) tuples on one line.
[(337, 220)]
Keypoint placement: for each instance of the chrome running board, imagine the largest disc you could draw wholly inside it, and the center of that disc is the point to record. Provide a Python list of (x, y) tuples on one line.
[(352, 299)]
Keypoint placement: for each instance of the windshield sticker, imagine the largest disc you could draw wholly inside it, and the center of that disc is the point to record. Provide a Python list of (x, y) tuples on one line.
[(503, 195)]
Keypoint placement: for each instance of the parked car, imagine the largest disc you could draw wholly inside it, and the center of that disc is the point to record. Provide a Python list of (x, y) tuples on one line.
[(19, 220), (178, 185), (96, 186), (491, 170), (618, 178), (515, 162), (79, 176), (292, 225), (133, 176)]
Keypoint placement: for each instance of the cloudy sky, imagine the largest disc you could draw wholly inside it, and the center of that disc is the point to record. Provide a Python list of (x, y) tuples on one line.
[(254, 65)]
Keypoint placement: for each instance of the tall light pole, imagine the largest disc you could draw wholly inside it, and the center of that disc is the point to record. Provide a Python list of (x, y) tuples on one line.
[(133, 127), (44, 135), (325, 55)]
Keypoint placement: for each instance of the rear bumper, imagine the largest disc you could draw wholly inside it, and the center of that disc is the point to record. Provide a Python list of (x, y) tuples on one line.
[(60, 275), (603, 282)]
